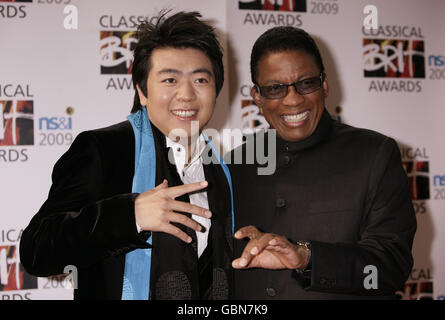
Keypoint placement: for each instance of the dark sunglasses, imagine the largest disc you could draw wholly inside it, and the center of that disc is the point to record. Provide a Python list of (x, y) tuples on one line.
[(280, 90)]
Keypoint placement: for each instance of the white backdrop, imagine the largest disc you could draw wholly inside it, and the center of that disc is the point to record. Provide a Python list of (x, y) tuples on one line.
[(56, 82)]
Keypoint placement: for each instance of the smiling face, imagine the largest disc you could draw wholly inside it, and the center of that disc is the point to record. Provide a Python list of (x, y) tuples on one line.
[(180, 89), (295, 117)]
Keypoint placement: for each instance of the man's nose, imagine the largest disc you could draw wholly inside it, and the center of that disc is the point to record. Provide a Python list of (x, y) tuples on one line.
[(293, 98), (186, 91)]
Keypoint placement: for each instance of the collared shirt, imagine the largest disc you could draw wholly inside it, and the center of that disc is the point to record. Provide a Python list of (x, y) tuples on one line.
[(191, 173)]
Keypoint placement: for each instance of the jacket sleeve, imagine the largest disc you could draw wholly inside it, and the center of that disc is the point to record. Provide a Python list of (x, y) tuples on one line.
[(79, 224), (387, 230)]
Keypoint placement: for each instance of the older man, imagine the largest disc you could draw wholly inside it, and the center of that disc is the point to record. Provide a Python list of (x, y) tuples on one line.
[(335, 219)]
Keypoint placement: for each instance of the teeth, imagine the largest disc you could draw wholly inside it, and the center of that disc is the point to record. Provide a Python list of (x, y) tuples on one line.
[(295, 117), (184, 113)]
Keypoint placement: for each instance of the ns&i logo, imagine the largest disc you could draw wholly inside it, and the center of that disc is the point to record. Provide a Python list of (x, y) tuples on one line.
[(56, 131)]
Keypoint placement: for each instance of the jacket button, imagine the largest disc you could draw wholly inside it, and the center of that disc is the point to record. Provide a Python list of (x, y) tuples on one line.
[(280, 203), (331, 283), (271, 292), (286, 160)]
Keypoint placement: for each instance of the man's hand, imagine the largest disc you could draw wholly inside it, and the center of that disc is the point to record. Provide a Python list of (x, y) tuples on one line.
[(155, 209), (269, 251)]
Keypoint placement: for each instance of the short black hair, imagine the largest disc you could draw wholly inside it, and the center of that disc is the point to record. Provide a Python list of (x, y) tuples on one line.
[(280, 39), (181, 30)]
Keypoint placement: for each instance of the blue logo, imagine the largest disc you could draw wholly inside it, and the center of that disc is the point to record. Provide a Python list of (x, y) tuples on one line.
[(436, 60), (55, 123)]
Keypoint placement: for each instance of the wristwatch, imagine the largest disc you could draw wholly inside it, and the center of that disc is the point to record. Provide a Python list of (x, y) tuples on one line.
[(308, 267)]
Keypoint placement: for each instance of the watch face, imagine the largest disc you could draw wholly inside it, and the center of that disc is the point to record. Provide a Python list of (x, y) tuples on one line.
[(305, 244), (308, 266)]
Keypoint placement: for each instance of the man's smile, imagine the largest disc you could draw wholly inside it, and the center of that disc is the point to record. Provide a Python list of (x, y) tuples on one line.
[(295, 119), (185, 114)]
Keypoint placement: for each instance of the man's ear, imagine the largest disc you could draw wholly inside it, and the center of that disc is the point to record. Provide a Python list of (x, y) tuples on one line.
[(257, 98), (142, 97), (325, 85)]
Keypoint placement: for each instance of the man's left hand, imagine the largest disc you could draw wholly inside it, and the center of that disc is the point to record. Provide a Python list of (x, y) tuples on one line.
[(268, 251)]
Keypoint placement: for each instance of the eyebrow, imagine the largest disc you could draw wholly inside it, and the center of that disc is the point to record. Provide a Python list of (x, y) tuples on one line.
[(175, 71), (203, 70), (304, 76)]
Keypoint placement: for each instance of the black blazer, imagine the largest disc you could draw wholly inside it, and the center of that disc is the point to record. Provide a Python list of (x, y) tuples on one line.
[(343, 189), (88, 219)]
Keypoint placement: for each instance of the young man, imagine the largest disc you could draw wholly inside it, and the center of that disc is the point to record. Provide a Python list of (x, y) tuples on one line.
[(136, 211), (336, 210)]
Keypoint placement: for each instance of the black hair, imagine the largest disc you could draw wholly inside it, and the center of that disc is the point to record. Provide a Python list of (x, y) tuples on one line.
[(283, 39), (181, 30)]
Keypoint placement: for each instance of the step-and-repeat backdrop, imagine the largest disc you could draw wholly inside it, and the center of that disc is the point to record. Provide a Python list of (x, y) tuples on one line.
[(64, 68)]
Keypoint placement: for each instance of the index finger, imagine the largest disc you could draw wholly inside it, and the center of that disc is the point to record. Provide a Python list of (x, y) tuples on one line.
[(174, 192), (250, 231)]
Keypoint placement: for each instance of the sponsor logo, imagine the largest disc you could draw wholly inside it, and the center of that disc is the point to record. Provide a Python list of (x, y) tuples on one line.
[(56, 130), (116, 54), (418, 178), (436, 62), (251, 117), (12, 274), (422, 290), (438, 187), (439, 180), (117, 40), (273, 5), (388, 58), (55, 123), (393, 31), (275, 12), (11, 10), (396, 53), (418, 287), (415, 162), (16, 122), (123, 22)]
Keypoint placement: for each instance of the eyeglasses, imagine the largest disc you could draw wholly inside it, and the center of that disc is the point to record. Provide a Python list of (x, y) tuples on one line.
[(280, 90)]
